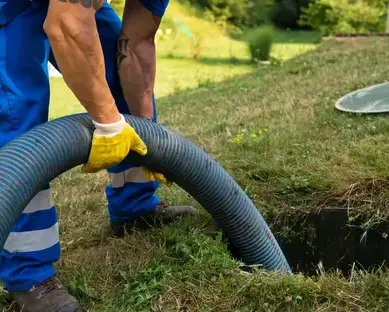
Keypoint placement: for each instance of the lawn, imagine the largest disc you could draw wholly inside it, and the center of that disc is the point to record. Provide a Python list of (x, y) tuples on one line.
[(275, 129), (186, 63), (219, 59)]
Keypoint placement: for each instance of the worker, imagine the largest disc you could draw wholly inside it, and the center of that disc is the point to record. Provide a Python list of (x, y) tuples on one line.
[(109, 64)]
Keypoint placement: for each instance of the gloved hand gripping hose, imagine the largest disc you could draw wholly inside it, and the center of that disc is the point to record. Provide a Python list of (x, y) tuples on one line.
[(35, 158)]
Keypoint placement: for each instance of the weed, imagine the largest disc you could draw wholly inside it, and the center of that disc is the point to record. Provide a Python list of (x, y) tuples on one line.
[(80, 288), (3, 294), (141, 289), (205, 83)]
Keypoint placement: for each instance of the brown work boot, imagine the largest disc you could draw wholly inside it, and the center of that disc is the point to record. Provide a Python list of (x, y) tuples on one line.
[(161, 215), (48, 296)]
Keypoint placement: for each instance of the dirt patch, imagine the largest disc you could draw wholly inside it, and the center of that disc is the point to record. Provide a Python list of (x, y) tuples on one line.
[(337, 243), (327, 241), (348, 230)]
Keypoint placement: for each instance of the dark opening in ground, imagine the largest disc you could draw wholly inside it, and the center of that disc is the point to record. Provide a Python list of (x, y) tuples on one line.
[(328, 237)]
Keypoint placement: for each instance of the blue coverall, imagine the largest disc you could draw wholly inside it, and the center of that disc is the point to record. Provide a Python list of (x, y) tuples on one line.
[(33, 245)]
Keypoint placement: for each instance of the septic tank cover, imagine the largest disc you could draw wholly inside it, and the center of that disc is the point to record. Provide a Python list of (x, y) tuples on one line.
[(373, 99)]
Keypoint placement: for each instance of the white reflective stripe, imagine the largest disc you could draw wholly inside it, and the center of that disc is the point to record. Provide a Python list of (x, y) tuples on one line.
[(136, 174), (32, 240), (42, 201)]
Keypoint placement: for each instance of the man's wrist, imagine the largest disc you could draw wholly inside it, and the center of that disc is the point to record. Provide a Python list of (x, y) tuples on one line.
[(111, 129), (105, 112)]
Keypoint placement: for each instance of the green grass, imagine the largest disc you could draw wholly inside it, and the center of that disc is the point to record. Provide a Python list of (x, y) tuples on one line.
[(185, 63), (275, 129), (277, 133)]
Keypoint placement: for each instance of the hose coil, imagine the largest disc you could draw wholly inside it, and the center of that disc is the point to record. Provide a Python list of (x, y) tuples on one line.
[(35, 158)]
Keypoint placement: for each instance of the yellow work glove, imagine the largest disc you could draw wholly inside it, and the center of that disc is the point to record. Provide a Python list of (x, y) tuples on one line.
[(111, 143)]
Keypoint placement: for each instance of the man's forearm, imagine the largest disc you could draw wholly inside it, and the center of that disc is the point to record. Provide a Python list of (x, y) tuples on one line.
[(136, 57), (78, 52), (136, 67)]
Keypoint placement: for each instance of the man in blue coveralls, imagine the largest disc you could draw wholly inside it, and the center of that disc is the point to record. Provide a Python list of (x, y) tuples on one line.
[(110, 67)]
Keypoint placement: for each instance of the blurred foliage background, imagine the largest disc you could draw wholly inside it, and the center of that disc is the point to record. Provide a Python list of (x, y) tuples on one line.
[(254, 21)]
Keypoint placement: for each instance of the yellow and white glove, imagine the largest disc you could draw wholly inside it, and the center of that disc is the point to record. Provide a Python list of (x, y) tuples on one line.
[(111, 143)]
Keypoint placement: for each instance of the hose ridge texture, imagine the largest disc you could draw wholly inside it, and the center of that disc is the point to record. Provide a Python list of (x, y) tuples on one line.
[(31, 161)]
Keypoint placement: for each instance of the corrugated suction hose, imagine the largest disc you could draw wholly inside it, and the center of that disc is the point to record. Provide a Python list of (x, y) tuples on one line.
[(32, 160)]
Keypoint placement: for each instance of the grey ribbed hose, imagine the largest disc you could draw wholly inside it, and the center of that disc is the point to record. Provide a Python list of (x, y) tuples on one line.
[(30, 162)]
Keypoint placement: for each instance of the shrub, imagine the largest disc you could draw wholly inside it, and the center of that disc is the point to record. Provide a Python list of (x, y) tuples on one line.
[(245, 14), (340, 16), (259, 42), (254, 13), (258, 12), (234, 32), (240, 13)]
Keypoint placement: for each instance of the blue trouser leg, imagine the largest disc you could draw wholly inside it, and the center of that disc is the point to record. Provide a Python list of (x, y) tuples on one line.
[(33, 245), (129, 194)]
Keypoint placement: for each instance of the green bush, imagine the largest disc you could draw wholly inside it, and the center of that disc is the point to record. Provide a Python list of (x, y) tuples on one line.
[(259, 42), (244, 14), (240, 13), (253, 13), (257, 12), (234, 32), (342, 16)]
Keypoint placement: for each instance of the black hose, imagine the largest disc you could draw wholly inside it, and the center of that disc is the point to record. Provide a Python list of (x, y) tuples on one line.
[(30, 162)]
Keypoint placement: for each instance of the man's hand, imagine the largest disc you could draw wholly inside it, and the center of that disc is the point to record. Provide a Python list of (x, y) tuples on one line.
[(111, 144)]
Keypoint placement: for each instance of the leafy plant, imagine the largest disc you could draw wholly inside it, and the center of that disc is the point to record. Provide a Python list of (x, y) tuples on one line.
[(3, 293), (241, 13), (343, 16), (253, 13), (260, 41), (79, 287), (141, 289)]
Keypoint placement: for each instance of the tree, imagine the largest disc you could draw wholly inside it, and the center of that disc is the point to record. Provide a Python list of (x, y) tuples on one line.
[(387, 18)]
